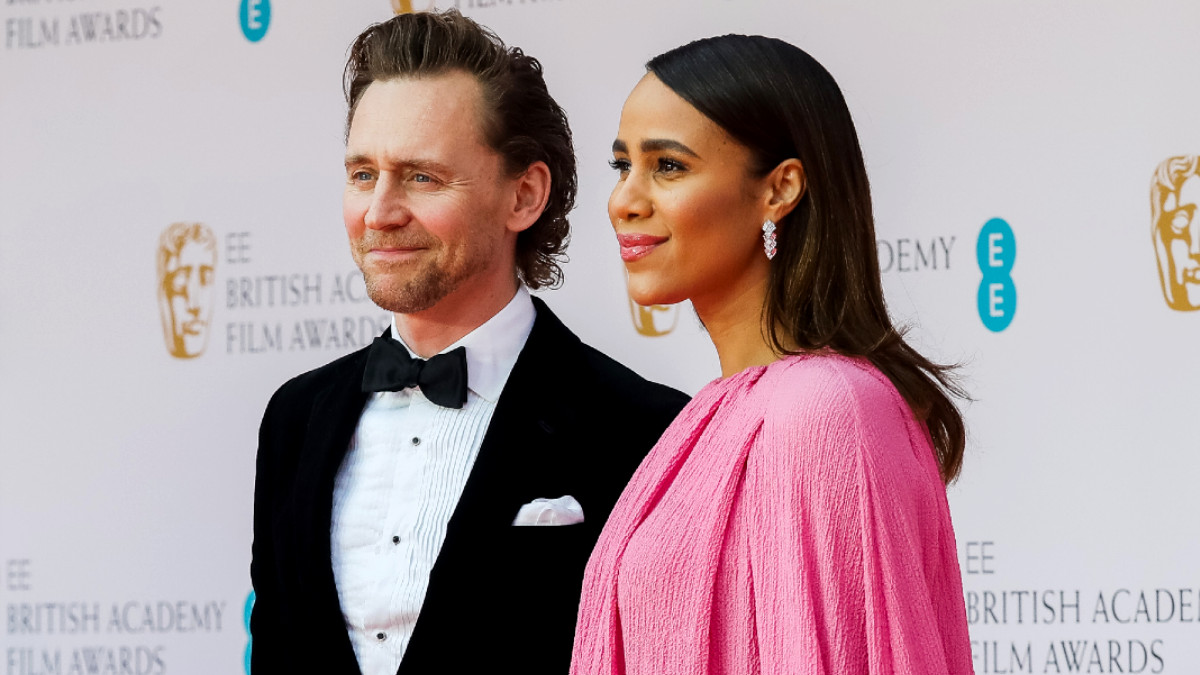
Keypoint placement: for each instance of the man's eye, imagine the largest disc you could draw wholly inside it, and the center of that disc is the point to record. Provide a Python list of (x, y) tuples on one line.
[(422, 178), (361, 176)]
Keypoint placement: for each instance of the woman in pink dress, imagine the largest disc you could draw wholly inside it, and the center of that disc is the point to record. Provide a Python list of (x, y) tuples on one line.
[(793, 519)]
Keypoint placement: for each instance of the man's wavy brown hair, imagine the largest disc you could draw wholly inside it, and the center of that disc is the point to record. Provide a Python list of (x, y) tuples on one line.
[(522, 122)]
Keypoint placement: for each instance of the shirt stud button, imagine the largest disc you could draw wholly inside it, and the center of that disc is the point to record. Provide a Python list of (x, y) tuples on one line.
[(416, 441), (396, 539), (381, 636)]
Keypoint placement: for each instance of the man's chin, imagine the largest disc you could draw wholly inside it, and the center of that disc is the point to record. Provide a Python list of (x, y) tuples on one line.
[(409, 298)]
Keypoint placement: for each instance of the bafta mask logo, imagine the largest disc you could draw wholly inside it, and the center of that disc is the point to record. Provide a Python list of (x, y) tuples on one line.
[(406, 6), (187, 261), (1175, 228), (654, 320)]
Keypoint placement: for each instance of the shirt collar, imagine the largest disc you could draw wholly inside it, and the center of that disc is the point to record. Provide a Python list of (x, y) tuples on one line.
[(493, 347)]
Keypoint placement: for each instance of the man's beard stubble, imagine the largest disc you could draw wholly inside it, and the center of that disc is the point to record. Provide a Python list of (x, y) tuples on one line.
[(423, 287), (416, 294)]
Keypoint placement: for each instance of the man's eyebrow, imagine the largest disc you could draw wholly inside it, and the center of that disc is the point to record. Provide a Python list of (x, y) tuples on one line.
[(416, 164)]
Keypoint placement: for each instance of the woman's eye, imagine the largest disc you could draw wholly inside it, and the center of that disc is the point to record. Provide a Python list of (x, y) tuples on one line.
[(621, 165), (670, 166)]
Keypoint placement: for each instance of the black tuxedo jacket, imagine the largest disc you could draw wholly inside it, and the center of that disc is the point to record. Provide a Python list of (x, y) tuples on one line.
[(570, 421)]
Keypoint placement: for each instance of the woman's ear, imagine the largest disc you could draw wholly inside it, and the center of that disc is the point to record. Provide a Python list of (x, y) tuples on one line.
[(786, 185)]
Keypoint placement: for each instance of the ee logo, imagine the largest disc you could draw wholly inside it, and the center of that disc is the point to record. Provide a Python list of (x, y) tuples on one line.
[(250, 638), (255, 16), (996, 251)]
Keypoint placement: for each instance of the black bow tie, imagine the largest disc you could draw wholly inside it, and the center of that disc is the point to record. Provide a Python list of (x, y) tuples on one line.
[(442, 379)]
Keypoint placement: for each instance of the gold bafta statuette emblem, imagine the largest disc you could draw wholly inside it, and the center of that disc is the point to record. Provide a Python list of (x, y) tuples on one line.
[(187, 261), (654, 320), (1175, 229), (406, 6)]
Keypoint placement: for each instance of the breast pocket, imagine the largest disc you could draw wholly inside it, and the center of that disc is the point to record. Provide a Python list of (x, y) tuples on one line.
[(548, 559), (542, 575), (548, 543)]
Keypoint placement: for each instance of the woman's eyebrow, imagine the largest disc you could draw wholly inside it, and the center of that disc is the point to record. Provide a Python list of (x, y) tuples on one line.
[(655, 145), (660, 144)]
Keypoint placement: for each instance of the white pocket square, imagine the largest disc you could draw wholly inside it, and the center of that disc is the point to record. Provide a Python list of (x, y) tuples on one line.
[(562, 511)]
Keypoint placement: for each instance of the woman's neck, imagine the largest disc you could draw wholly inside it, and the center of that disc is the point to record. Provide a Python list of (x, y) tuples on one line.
[(735, 323)]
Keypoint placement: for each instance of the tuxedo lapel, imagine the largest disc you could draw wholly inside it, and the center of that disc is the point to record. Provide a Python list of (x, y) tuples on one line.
[(524, 434), (521, 451), (331, 425)]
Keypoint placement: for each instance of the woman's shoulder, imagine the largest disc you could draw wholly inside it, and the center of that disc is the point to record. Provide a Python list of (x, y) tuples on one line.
[(826, 382), (828, 396), (824, 408)]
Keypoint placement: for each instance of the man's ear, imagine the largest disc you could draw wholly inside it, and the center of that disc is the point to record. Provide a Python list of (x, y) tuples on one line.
[(786, 185), (531, 192)]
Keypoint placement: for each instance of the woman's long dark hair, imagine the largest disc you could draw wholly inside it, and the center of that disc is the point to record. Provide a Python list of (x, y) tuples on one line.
[(824, 289)]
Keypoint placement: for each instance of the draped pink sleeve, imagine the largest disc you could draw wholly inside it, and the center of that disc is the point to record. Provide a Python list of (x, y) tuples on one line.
[(794, 514), (852, 556)]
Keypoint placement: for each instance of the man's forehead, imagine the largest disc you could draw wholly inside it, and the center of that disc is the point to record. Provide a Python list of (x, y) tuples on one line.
[(417, 110)]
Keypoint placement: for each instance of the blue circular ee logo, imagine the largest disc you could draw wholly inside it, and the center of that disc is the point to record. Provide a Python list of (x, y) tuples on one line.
[(996, 252), (246, 619), (255, 16)]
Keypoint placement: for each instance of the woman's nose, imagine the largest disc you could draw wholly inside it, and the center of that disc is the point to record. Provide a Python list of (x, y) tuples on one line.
[(629, 200)]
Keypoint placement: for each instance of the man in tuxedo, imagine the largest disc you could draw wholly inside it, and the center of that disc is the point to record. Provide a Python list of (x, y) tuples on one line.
[(396, 486)]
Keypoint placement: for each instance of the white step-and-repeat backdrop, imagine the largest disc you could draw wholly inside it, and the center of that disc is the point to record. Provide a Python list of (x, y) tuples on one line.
[(1036, 187)]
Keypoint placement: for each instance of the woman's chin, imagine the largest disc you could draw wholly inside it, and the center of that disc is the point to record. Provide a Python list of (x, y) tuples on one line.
[(646, 295)]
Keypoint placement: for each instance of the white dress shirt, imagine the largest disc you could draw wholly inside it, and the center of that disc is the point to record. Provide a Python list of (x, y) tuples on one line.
[(399, 484)]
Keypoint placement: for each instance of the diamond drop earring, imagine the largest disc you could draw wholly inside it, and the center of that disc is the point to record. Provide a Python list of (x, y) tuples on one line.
[(769, 239)]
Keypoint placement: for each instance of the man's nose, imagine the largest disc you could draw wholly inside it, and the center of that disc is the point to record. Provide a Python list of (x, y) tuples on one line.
[(389, 206)]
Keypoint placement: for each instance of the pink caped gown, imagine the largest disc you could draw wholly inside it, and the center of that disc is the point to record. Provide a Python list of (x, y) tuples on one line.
[(790, 521)]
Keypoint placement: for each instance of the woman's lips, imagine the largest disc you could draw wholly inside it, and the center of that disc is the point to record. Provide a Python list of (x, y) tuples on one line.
[(637, 246)]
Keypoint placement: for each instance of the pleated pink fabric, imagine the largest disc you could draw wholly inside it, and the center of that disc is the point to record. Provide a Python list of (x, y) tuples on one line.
[(791, 520)]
